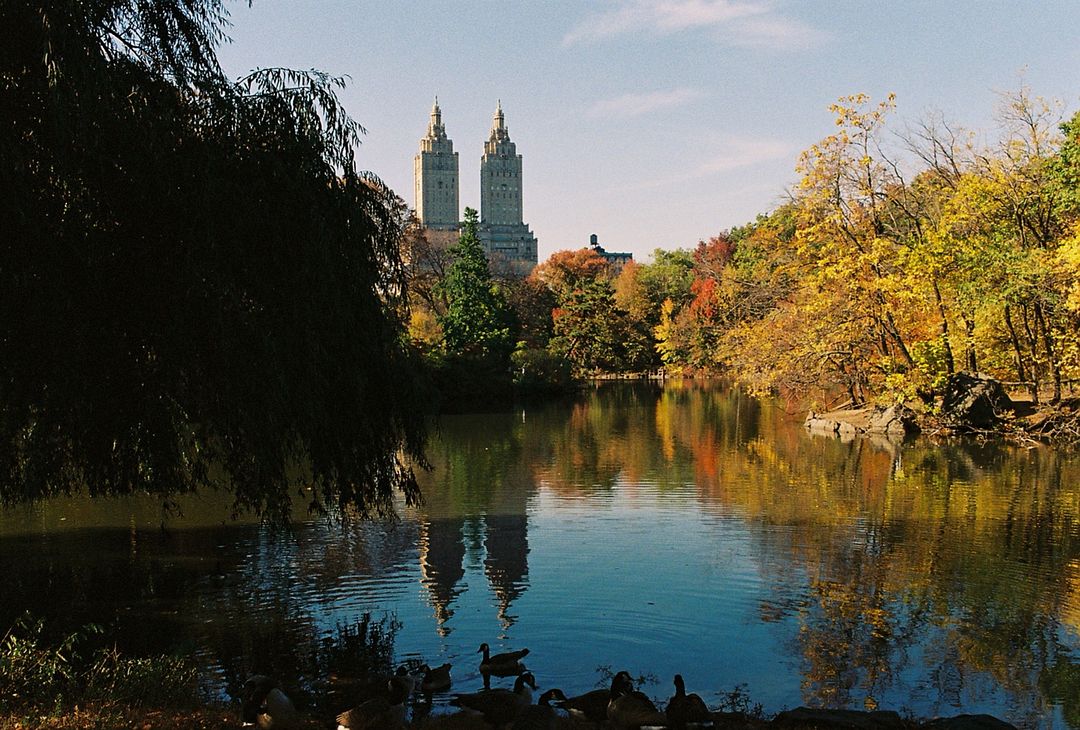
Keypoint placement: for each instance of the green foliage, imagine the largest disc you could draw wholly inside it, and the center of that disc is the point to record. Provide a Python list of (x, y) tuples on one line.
[(1065, 168), (196, 286), (737, 699), (36, 674), (595, 335), (361, 649), (538, 370), (478, 323)]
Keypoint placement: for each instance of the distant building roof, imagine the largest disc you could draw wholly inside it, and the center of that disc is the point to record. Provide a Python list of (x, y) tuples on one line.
[(615, 258)]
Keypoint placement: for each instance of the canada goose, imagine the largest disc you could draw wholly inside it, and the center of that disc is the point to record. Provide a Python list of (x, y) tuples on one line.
[(264, 705), (501, 665), (541, 716), (591, 706), (435, 679), (384, 711), (346, 690), (686, 709), (629, 709), (406, 680), (499, 706)]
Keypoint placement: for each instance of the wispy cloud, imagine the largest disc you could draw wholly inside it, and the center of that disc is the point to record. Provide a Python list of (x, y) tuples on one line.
[(724, 154), (751, 23), (633, 105), (736, 152), (774, 31)]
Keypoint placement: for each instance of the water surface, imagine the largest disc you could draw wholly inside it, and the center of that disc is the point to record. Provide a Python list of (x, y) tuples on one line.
[(682, 528)]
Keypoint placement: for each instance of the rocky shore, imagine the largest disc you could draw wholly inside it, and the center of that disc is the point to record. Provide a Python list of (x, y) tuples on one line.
[(802, 718), (971, 404)]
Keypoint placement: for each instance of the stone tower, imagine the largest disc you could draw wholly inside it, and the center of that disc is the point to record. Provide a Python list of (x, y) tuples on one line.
[(504, 235), (435, 172)]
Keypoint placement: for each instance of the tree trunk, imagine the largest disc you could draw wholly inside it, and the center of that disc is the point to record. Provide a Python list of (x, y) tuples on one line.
[(950, 366), (894, 332), (969, 329), (1048, 347), (1021, 372), (1036, 371)]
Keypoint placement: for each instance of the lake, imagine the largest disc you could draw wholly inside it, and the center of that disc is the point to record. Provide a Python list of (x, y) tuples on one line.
[(678, 528)]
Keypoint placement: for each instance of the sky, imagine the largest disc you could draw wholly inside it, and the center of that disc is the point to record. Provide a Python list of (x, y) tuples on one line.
[(653, 123)]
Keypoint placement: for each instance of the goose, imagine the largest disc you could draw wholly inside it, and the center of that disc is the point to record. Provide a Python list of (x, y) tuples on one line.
[(541, 716), (591, 706), (264, 705), (407, 681), (499, 706), (629, 709), (501, 665), (686, 709), (383, 711), (435, 679)]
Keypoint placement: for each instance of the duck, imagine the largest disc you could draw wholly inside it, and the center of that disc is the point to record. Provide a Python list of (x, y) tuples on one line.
[(264, 705), (686, 709), (591, 706), (435, 679), (384, 711), (499, 706), (506, 664), (629, 709), (541, 716)]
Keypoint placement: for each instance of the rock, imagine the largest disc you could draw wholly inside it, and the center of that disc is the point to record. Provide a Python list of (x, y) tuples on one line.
[(968, 722), (816, 423), (974, 401), (897, 420), (841, 719)]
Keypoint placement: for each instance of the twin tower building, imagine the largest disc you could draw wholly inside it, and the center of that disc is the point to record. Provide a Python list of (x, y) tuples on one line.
[(507, 240)]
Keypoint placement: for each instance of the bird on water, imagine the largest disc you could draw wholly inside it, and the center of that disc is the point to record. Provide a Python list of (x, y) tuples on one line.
[(501, 665)]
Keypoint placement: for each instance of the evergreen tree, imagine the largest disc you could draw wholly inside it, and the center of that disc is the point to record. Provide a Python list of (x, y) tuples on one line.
[(478, 324)]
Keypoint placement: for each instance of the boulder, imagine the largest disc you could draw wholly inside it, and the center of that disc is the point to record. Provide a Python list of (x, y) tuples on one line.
[(815, 422), (896, 420), (841, 719), (974, 401), (968, 722)]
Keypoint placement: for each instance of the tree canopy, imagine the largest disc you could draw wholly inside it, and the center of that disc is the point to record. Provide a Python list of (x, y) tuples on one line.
[(197, 287), (478, 323)]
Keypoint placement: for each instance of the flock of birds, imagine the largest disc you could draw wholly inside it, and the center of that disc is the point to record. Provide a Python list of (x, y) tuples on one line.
[(619, 707)]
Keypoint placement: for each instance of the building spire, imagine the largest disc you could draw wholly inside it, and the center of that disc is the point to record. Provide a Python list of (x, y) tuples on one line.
[(436, 130), (499, 133)]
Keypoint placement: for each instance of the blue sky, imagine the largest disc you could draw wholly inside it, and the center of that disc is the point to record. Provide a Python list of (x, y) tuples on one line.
[(653, 123)]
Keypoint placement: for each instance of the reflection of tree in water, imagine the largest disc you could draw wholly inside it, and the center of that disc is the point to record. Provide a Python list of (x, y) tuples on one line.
[(442, 555), (967, 552), (670, 435), (507, 565)]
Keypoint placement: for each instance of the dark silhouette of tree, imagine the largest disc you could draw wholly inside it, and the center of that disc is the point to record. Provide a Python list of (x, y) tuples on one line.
[(196, 286)]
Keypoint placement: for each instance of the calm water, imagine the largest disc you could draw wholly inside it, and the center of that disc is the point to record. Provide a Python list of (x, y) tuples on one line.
[(685, 528)]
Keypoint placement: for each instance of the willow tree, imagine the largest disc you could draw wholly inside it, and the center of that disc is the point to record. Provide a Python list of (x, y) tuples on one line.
[(197, 287)]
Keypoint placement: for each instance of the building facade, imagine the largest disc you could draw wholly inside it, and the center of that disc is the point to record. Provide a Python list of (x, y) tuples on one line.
[(435, 175), (510, 245), (503, 234)]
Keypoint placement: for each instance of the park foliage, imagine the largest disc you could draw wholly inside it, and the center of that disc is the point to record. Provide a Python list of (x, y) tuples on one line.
[(900, 257)]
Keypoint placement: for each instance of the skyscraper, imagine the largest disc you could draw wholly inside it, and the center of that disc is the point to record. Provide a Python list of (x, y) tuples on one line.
[(504, 235), (509, 244), (435, 176)]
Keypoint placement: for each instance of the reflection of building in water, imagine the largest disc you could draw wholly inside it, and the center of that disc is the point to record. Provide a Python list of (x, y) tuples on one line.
[(507, 562), (442, 552)]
